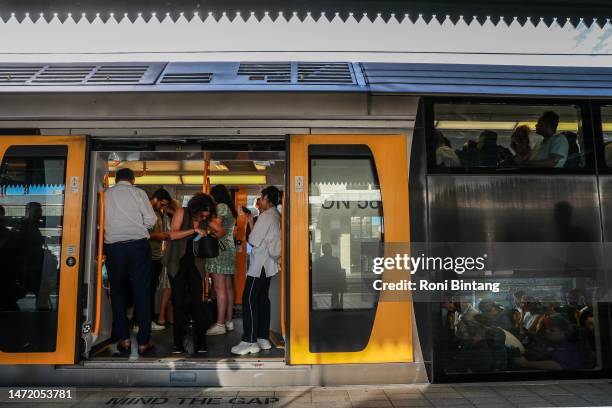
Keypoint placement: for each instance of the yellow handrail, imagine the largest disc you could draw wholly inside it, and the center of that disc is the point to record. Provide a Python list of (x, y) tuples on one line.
[(283, 265), (96, 330)]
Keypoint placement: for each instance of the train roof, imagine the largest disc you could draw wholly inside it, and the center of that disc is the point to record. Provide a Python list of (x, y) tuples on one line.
[(399, 78)]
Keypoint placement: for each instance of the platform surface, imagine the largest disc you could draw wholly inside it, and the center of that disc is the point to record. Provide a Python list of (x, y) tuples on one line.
[(594, 393)]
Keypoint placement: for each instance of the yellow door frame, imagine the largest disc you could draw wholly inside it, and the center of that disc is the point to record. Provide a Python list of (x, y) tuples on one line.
[(71, 236), (391, 336)]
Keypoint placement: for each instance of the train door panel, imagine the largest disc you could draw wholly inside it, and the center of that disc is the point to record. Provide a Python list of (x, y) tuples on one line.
[(348, 196), (41, 198)]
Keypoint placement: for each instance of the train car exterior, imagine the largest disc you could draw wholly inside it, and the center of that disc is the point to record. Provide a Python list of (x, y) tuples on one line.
[(375, 159)]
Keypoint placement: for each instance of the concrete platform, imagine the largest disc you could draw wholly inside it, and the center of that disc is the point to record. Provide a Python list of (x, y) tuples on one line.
[(594, 393)]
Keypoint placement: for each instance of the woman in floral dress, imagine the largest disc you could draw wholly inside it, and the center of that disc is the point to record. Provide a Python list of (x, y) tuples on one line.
[(223, 267)]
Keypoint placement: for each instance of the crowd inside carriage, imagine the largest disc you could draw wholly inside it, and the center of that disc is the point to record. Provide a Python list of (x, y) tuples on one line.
[(536, 332), (554, 150)]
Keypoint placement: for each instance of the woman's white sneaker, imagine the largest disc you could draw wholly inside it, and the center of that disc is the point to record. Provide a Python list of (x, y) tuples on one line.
[(245, 348), (216, 329), (264, 344), (229, 326)]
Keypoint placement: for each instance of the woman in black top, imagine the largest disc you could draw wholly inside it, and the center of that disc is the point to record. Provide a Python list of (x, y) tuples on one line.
[(186, 272)]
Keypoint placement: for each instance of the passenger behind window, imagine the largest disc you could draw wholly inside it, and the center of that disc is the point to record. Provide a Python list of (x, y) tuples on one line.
[(608, 153), (551, 350), (519, 143), (573, 153), (487, 148), (552, 151), (445, 155)]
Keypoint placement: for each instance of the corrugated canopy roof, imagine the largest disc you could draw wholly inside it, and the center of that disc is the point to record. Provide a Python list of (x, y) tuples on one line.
[(547, 9)]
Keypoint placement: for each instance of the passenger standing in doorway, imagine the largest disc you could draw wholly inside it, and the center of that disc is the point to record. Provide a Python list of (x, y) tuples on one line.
[(165, 306), (223, 267), (186, 272), (129, 216), (265, 238), (160, 200)]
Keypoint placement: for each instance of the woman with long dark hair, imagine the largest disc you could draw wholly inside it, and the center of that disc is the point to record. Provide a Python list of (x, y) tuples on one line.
[(223, 267), (186, 272)]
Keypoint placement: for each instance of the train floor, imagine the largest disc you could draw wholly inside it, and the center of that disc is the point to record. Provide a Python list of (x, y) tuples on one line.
[(218, 347)]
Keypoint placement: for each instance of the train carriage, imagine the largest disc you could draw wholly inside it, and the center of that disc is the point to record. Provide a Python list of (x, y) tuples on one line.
[(371, 157)]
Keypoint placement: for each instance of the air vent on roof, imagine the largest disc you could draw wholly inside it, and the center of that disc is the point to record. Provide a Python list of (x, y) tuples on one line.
[(187, 78), (118, 73), (315, 72), (18, 74), (269, 72), (63, 74), (73, 74)]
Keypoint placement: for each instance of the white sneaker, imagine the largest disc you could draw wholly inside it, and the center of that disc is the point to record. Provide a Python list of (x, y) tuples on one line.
[(264, 344), (229, 326), (157, 327), (215, 329), (245, 348)]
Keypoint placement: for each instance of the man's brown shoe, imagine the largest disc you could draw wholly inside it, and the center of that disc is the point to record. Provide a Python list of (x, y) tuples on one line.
[(145, 348)]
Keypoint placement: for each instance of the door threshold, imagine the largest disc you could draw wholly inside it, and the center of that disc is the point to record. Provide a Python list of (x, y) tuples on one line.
[(182, 363)]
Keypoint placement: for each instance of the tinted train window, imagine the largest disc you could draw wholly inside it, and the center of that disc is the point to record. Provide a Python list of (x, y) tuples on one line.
[(346, 232), (506, 136), (606, 124), (31, 212), (531, 324)]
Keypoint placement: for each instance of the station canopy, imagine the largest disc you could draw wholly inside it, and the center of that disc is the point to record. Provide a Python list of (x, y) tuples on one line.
[(588, 11)]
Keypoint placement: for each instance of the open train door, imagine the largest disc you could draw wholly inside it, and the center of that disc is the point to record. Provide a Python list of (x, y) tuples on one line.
[(41, 195), (348, 197)]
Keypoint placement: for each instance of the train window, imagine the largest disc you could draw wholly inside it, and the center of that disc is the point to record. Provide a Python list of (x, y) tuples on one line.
[(506, 136), (31, 211), (606, 124), (346, 232), (531, 324)]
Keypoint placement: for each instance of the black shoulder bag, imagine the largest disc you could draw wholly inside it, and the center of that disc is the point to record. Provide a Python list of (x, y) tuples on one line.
[(206, 247)]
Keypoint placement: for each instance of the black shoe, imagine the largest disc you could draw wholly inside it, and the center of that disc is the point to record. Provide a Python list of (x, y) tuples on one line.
[(124, 346), (178, 350)]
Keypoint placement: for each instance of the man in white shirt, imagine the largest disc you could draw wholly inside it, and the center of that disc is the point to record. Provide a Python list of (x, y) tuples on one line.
[(552, 151), (128, 216), (265, 239)]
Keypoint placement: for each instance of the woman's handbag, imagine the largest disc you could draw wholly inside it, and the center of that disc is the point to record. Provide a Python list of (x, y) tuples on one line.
[(206, 246)]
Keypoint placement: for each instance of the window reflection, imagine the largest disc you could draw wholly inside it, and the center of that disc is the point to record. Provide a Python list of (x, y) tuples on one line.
[(533, 324), (31, 211), (346, 232), (502, 136)]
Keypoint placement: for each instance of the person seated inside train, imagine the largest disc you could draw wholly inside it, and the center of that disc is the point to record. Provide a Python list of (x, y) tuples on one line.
[(513, 346), (608, 153), (483, 153), (532, 314), (496, 313), (552, 150), (481, 348), (586, 338), (519, 144), (574, 303), (487, 148), (573, 153), (445, 155), (551, 349)]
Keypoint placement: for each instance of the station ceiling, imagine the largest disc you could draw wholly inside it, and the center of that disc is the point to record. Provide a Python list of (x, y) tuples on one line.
[(589, 10)]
